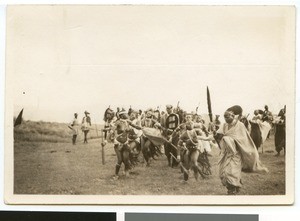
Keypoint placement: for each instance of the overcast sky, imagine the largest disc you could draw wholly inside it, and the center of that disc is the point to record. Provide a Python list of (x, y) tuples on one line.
[(63, 60)]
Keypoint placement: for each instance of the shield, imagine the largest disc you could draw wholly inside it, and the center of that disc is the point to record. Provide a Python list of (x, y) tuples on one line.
[(172, 121), (154, 135)]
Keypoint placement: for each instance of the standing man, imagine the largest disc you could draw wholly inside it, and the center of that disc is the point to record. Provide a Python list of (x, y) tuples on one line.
[(108, 119), (149, 119), (75, 128), (134, 136), (117, 113), (268, 117), (170, 121), (238, 152), (199, 122), (121, 127), (135, 133), (149, 122), (190, 148), (280, 133), (86, 124), (257, 115), (169, 109)]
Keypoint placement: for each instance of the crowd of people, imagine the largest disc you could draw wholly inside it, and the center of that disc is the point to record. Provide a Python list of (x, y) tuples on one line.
[(186, 139)]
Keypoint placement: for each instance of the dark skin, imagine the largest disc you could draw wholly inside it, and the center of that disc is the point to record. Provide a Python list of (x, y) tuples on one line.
[(228, 118), (169, 110)]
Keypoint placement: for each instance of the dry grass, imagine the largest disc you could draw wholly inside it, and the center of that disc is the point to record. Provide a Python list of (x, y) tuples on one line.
[(48, 132), (61, 168)]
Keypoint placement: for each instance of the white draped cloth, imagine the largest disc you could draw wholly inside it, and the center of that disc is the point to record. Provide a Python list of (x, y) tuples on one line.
[(237, 152)]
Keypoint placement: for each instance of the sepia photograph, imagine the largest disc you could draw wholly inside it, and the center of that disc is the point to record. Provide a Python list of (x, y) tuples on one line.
[(150, 105)]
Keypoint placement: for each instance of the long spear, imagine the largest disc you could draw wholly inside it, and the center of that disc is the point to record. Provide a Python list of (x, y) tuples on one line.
[(180, 164), (102, 147), (209, 105), (197, 108)]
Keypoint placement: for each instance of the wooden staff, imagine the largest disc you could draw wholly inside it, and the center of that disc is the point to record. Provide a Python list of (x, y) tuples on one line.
[(96, 130), (180, 164), (209, 105), (102, 150), (197, 108), (170, 143)]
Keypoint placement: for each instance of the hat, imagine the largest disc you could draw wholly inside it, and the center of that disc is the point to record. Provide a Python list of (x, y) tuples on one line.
[(86, 112), (260, 111), (236, 110), (169, 106)]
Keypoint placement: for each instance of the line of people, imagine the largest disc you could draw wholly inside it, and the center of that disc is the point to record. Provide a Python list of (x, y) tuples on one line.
[(262, 123), (85, 126), (185, 140), (124, 130)]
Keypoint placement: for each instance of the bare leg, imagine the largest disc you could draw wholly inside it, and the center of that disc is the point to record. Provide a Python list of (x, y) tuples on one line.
[(74, 139), (119, 160)]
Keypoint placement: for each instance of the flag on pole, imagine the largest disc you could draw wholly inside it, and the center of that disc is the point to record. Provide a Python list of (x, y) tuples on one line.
[(19, 119)]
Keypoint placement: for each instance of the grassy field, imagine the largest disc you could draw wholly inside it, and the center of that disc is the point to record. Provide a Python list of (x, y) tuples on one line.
[(48, 167), (49, 132)]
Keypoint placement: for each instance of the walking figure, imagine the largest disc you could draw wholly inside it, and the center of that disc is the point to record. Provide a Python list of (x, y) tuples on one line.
[(86, 124), (75, 128)]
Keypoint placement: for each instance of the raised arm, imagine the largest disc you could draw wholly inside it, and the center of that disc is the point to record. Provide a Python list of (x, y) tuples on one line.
[(134, 125)]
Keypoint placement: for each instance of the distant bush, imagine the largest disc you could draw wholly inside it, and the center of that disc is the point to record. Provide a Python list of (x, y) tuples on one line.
[(47, 132)]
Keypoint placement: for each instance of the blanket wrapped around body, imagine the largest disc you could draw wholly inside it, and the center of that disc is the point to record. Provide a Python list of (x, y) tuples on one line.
[(238, 152)]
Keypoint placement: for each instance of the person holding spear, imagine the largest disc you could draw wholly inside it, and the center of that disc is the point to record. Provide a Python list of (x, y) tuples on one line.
[(190, 147)]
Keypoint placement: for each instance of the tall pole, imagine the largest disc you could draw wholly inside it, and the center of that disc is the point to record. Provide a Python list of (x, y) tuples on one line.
[(209, 105), (102, 148)]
